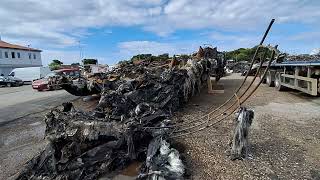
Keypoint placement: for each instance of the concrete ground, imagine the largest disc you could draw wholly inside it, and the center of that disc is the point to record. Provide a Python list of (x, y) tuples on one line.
[(21, 124), (284, 136)]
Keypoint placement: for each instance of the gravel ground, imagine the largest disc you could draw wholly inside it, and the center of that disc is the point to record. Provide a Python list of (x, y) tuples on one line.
[(284, 137)]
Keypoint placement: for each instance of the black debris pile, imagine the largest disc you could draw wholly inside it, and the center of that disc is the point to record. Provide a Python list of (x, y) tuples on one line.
[(303, 57), (207, 52), (240, 67), (137, 99), (239, 143), (81, 147), (219, 62)]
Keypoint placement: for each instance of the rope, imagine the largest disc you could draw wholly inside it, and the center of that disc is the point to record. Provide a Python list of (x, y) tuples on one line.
[(238, 101)]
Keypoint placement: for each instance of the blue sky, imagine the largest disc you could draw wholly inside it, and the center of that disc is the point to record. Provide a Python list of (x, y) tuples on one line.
[(114, 30)]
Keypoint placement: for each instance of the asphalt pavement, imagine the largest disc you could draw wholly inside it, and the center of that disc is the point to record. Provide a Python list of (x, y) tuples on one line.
[(22, 128), (17, 102)]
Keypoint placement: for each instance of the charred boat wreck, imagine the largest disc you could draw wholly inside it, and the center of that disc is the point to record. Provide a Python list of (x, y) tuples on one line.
[(137, 99)]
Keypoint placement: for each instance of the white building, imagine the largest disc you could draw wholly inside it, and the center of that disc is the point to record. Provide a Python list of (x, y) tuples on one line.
[(16, 56)]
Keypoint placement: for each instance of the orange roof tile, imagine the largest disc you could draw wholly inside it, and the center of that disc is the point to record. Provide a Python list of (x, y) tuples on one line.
[(13, 46)]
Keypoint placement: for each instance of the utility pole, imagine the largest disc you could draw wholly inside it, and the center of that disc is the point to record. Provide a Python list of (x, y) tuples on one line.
[(79, 51)]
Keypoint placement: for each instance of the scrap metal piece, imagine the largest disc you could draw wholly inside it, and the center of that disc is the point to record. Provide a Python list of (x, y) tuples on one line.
[(239, 146), (162, 162)]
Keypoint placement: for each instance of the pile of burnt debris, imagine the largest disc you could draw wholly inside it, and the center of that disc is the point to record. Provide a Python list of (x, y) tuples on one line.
[(303, 57), (137, 99), (239, 67)]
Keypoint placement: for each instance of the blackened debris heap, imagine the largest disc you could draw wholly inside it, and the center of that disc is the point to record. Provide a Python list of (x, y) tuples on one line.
[(137, 99)]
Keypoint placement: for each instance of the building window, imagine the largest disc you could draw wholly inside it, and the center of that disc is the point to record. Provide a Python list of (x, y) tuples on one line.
[(18, 54), (6, 55), (34, 56), (0, 54), (13, 55), (29, 55)]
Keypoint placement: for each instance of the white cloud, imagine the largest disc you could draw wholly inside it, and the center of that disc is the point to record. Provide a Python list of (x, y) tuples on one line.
[(56, 21), (61, 23), (233, 15)]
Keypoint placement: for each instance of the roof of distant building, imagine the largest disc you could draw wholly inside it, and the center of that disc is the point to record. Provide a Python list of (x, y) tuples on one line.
[(4, 44)]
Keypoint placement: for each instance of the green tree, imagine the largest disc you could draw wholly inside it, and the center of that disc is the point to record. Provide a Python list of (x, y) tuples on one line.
[(55, 64), (90, 61), (141, 57), (242, 57), (246, 54), (163, 56), (75, 64)]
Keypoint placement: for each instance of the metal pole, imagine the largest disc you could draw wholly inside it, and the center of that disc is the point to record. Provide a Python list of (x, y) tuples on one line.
[(79, 51), (267, 31)]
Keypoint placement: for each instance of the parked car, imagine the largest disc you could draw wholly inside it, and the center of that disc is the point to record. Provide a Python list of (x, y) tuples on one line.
[(49, 81), (10, 81), (30, 73), (18, 81), (42, 83)]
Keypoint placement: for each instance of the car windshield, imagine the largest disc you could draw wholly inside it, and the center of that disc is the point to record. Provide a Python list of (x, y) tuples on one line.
[(50, 75)]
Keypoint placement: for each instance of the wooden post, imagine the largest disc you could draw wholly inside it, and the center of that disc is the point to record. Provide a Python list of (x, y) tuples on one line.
[(309, 76), (296, 73), (213, 87)]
